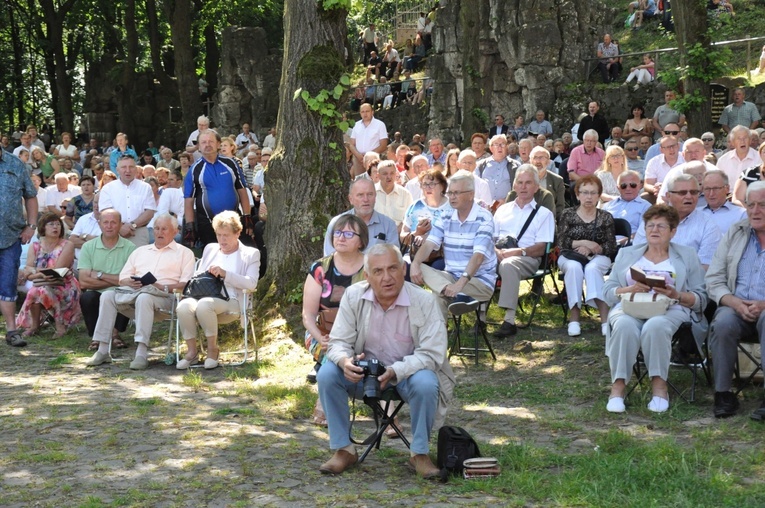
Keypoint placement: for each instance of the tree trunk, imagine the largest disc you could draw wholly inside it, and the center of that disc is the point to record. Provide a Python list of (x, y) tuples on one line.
[(306, 179), (18, 66), (180, 14), (156, 41), (127, 82), (470, 19), (58, 76), (691, 28)]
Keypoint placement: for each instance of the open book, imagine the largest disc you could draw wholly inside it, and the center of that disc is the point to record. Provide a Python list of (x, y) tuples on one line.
[(56, 273), (652, 281)]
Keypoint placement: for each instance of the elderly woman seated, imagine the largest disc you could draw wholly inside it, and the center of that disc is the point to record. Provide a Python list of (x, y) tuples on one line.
[(238, 266), (683, 278)]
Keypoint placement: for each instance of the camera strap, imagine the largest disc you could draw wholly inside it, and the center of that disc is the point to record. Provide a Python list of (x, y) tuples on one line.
[(528, 222)]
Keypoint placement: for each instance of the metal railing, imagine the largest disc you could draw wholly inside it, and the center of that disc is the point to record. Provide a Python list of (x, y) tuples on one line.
[(656, 52)]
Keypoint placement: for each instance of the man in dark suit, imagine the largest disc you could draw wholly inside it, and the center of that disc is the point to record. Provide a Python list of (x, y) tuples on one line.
[(596, 121), (499, 126)]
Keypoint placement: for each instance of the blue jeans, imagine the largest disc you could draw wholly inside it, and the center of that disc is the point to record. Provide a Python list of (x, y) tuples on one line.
[(9, 272), (420, 391)]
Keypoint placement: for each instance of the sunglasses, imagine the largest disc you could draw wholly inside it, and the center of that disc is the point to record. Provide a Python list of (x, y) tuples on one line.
[(632, 185), (692, 192), (705, 140), (630, 149), (671, 133)]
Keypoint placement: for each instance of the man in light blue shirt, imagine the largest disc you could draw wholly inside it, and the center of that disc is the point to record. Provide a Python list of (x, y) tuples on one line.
[(629, 205), (718, 209)]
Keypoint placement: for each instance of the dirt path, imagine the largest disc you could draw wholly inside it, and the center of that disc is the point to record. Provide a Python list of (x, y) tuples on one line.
[(108, 436)]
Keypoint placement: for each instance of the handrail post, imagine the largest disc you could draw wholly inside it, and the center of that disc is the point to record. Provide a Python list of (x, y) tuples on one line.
[(656, 66), (748, 57)]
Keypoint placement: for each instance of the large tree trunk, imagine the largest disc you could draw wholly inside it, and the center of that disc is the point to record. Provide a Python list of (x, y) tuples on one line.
[(691, 28), (61, 82), (18, 66), (306, 179), (127, 82), (212, 59), (180, 14), (156, 41), (469, 28)]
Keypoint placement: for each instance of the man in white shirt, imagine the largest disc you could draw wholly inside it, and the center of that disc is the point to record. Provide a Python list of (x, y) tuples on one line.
[(693, 151), (741, 156), (368, 135), (517, 263), (86, 228), (55, 197), (192, 144), (246, 137), (657, 168), (392, 199), (171, 201), (270, 140), (134, 200), (419, 164)]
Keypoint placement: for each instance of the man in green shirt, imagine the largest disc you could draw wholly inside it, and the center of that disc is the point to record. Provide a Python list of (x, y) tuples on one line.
[(101, 260)]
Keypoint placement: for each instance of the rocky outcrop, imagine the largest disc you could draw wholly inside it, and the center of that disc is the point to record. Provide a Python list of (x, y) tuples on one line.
[(248, 82), (508, 57)]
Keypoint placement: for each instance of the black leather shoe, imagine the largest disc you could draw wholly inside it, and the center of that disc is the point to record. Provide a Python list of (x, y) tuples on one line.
[(726, 404), (507, 329), (759, 413)]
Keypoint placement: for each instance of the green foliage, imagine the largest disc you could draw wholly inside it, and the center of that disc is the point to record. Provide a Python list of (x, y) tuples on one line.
[(325, 103), (329, 5), (295, 295), (481, 115), (702, 64)]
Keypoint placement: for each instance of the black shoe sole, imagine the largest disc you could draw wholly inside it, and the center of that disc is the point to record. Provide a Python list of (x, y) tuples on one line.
[(758, 416), (724, 413)]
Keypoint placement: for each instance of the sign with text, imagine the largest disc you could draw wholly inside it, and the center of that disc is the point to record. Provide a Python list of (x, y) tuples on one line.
[(718, 97)]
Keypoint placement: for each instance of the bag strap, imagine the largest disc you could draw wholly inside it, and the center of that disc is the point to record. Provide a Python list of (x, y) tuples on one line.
[(528, 222)]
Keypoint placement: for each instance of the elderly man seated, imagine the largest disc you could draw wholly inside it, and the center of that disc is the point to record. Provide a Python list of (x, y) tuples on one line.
[(629, 205), (170, 264), (399, 325), (532, 226), (719, 209), (734, 282)]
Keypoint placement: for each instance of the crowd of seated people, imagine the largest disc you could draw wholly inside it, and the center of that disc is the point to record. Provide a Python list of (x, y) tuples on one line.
[(454, 214)]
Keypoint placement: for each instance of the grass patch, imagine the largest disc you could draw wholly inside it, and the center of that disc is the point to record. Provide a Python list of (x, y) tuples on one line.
[(63, 359), (194, 380)]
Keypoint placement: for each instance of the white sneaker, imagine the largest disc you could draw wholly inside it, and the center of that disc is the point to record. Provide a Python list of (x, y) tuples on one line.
[(574, 330), (616, 405), (658, 404)]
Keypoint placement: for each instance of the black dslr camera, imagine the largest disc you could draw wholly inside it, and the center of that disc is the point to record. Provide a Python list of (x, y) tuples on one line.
[(372, 369)]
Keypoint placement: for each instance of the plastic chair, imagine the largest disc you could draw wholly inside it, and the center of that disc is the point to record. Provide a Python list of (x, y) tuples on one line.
[(247, 324)]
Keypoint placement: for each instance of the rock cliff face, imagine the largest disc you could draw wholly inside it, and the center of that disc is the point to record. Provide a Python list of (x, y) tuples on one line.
[(508, 57), (248, 82)]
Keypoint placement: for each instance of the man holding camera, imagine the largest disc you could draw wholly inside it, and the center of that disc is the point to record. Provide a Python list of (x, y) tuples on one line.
[(399, 325)]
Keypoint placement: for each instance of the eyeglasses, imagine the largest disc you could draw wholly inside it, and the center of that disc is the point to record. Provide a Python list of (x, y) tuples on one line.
[(589, 193), (499, 145), (692, 192), (671, 133), (660, 226), (632, 185), (631, 149), (345, 234), (457, 193), (713, 189), (429, 185)]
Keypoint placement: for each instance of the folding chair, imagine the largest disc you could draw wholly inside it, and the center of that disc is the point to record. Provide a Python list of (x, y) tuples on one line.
[(622, 228), (685, 353), (247, 324), (756, 363), (458, 349), (389, 397), (537, 279)]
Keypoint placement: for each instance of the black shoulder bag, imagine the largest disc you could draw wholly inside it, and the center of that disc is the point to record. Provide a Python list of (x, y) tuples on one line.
[(205, 285), (508, 242)]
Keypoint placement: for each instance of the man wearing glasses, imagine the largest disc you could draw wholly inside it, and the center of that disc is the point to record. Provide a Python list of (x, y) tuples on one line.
[(740, 298), (657, 168), (634, 162), (693, 150), (629, 205), (741, 157), (471, 262), (719, 209), (654, 150), (695, 229)]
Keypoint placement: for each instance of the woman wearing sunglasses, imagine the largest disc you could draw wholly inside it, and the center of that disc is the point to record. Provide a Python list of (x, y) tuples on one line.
[(324, 287)]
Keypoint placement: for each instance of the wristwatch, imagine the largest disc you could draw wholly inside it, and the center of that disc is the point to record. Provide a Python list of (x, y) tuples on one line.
[(84, 236), (32, 226), (523, 252), (99, 275), (466, 275), (133, 225)]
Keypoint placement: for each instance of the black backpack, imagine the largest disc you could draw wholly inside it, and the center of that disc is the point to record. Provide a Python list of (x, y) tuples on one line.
[(455, 445)]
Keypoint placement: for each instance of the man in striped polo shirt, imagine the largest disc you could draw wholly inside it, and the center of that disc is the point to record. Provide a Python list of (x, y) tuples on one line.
[(471, 262)]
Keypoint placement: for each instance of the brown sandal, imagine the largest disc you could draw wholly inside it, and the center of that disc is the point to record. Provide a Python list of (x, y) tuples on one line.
[(93, 345), (319, 418), (118, 344)]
